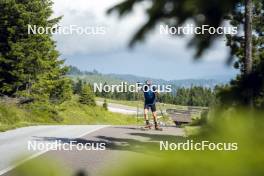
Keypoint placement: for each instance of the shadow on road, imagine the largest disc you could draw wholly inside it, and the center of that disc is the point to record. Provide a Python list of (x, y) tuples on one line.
[(149, 144), (123, 140)]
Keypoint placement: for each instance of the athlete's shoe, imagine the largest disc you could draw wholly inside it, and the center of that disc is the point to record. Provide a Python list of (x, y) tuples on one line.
[(158, 128)]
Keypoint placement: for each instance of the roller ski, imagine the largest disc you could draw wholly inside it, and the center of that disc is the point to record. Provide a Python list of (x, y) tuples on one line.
[(149, 127), (146, 128)]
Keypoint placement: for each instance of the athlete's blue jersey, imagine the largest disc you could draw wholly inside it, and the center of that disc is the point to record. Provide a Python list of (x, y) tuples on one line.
[(149, 95)]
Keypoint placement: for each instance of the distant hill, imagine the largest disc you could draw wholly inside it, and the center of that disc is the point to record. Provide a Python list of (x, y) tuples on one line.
[(177, 83), (95, 76)]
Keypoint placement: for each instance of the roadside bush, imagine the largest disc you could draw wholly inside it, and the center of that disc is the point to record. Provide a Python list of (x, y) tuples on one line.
[(202, 120), (105, 105)]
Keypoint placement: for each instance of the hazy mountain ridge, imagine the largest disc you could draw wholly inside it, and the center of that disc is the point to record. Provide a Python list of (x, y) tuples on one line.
[(178, 83), (95, 76)]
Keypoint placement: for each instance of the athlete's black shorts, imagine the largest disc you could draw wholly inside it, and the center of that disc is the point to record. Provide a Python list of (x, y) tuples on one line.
[(150, 106)]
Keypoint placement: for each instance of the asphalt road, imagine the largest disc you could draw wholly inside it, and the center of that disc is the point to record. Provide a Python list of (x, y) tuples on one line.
[(119, 141), (123, 109), (14, 143)]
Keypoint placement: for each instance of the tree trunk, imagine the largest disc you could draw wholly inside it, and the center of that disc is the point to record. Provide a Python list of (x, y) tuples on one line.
[(248, 48), (248, 37)]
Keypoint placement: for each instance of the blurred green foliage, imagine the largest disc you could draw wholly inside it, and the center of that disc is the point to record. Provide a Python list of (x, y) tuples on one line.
[(41, 167), (243, 127), (246, 89), (176, 13)]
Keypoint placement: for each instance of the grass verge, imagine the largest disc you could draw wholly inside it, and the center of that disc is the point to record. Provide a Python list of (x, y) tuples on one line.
[(70, 112)]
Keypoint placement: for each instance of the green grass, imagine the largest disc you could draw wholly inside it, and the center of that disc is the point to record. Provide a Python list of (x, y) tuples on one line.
[(74, 113), (69, 112), (12, 117)]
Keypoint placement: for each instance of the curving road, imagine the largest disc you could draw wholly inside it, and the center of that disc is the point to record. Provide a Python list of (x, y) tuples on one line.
[(14, 143), (119, 142)]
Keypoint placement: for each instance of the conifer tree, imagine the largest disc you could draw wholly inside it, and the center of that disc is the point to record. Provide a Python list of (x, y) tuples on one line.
[(248, 87), (87, 97), (78, 87), (29, 63)]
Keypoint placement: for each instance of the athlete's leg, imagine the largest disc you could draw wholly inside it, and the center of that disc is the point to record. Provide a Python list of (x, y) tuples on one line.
[(146, 115), (154, 114)]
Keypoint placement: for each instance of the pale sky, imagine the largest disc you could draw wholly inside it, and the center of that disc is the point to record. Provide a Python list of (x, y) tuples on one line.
[(160, 56)]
